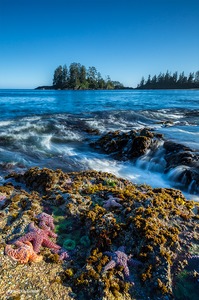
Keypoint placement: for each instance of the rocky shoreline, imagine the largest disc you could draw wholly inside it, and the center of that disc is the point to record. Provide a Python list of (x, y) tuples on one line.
[(123, 241)]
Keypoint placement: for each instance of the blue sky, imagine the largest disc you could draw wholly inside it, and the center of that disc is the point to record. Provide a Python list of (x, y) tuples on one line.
[(125, 39)]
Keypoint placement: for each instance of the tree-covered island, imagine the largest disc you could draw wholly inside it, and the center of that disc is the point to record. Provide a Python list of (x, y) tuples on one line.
[(78, 77)]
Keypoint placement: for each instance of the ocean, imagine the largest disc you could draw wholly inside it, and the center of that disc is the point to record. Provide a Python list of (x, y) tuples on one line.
[(55, 129)]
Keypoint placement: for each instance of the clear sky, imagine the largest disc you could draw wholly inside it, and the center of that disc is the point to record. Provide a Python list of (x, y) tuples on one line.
[(126, 39)]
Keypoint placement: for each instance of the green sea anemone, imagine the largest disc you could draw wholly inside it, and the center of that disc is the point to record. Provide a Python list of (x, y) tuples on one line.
[(69, 244)]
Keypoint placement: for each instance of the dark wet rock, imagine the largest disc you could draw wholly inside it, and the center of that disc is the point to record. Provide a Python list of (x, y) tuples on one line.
[(177, 154), (184, 159), (128, 145), (175, 147), (146, 132), (140, 145), (190, 179)]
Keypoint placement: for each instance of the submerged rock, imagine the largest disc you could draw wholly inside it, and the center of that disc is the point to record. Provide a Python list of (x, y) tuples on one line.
[(158, 228)]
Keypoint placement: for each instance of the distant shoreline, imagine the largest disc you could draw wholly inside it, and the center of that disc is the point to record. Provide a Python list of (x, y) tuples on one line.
[(58, 89), (124, 88)]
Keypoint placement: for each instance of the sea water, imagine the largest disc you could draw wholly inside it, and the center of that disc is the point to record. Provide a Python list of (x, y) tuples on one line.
[(52, 129)]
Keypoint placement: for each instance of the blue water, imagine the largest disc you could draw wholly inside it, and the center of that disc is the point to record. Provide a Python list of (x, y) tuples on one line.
[(18, 103), (50, 128)]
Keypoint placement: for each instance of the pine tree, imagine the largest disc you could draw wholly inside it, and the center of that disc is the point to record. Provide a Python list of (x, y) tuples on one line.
[(57, 79), (74, 73), (65, 77)]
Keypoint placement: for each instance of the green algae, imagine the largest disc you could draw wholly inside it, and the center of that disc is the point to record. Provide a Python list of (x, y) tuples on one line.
[(110, 182)]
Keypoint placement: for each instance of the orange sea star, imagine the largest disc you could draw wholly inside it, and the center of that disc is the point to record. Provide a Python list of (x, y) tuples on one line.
[(23, 253)]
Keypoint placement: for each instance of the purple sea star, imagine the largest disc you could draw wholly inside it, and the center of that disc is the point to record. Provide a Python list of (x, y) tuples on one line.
[(119, 258), (63, 254), (112, 202), (38, 237), (46, 222)]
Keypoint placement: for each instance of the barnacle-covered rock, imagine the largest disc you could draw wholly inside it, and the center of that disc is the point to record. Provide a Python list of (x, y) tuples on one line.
[(158, 228)]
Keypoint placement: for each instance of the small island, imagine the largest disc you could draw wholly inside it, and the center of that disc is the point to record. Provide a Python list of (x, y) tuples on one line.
[(78, 77)]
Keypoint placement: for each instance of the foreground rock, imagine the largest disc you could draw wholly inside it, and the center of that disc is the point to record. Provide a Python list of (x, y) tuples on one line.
[(124, 241)]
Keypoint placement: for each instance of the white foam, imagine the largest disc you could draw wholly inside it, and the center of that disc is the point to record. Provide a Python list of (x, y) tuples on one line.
[(97, 124), (5, 123), (46, 141)]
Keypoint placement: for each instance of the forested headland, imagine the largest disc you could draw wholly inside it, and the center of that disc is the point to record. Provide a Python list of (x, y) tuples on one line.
[(170, 81)]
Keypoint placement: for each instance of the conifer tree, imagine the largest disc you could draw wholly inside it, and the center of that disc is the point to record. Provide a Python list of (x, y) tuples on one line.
[(58, 79)]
